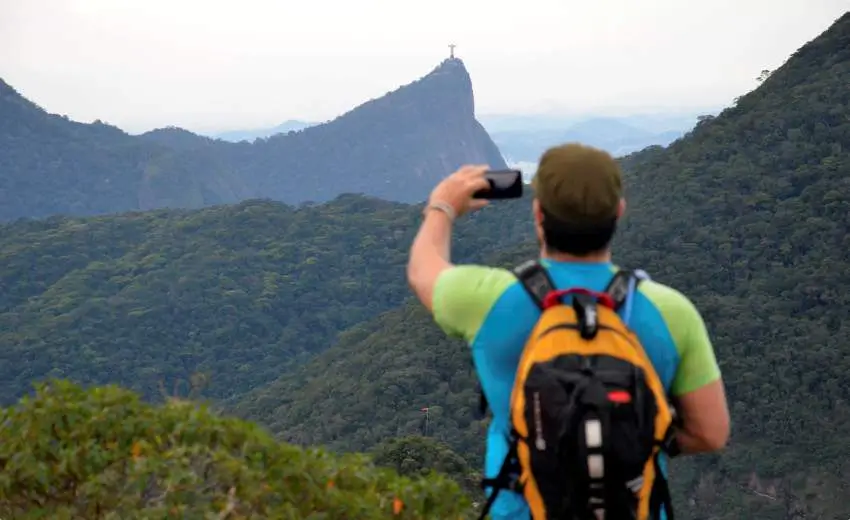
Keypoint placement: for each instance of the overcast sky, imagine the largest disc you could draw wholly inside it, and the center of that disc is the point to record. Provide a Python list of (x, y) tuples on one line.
[(210, 65)]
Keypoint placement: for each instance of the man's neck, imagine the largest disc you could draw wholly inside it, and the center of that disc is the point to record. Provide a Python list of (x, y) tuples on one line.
[(592, 258)]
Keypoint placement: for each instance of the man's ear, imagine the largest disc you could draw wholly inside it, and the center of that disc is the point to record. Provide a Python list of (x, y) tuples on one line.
[(535, 210), (538, 221), (621, 208)]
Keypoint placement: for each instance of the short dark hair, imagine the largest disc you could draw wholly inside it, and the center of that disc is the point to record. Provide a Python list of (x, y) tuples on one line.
[(561, 237)]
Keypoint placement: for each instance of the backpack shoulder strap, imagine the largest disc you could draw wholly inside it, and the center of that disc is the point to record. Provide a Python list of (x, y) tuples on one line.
[(622, 286), (618, 287), (535, 280), (537, 283)]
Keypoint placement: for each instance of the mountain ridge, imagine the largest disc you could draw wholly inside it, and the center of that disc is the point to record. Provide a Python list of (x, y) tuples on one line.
[(395, 147)]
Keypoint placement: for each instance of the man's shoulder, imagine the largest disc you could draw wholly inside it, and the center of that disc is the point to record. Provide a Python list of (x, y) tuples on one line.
[(678, 313), (464, 295), (697, 364), (485, 278), (668, 300)]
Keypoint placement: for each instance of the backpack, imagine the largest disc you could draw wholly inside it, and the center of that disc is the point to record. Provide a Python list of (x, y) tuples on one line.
[(589, 414)]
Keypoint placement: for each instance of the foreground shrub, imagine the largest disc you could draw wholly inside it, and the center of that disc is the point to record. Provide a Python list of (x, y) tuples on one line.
[(101, 453)]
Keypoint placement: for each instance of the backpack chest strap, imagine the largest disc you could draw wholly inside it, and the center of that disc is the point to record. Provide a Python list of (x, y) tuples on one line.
[(538, 284)]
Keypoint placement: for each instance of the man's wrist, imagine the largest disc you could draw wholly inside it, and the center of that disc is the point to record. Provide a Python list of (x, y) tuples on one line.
[(441, 207)]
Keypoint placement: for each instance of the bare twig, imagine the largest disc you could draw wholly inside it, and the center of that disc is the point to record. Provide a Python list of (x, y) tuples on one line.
[(231, 504)]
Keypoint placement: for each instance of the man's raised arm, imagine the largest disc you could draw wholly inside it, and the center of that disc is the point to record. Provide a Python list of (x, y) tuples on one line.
[(430, 253)]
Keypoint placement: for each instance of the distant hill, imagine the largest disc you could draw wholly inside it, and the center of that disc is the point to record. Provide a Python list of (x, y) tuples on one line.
[(50, 165), (617, 135), (290, 125), (395, 147), (747, 214), (652, 122), (236, 292), (177, 138)]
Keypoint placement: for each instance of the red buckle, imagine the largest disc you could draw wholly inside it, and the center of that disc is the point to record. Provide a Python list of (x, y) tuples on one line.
[(554, 297)]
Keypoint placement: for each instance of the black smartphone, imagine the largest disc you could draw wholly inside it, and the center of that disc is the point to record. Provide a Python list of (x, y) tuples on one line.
[(504, 184)]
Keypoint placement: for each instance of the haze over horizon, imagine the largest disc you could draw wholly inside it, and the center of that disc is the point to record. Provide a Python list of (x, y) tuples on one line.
[(212, 66)]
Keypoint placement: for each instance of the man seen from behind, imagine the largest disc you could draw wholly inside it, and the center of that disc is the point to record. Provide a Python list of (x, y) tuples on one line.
[(577, 204)]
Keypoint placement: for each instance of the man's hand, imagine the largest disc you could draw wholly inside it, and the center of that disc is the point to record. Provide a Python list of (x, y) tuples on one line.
[(457, 189)]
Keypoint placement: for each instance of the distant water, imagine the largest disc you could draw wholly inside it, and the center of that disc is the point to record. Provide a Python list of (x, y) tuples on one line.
[(528, 168)]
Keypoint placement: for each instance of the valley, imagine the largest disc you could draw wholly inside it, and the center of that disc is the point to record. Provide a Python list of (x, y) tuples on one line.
[(265, 280)]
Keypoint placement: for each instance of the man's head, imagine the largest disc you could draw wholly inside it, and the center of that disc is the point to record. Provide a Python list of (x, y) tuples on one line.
[(578, 199)]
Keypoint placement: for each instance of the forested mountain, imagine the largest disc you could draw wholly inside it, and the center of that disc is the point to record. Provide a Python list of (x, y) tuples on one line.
[(748, 215), (394, 147), (373, 383), (235, 292)]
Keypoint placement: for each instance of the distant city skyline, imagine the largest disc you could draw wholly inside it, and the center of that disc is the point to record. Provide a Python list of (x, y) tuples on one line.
[(214, 66)]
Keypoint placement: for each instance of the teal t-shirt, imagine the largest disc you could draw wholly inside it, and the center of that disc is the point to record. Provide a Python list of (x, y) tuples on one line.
[(489, 308)]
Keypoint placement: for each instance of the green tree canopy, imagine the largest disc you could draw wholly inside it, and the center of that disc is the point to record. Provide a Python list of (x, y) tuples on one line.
[(101, 453)]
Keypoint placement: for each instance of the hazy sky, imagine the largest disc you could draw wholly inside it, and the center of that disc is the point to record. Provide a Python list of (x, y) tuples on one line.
[(208, 64)]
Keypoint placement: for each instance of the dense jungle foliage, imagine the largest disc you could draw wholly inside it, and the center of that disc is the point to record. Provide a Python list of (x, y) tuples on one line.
[(235, 293), (299, 319)]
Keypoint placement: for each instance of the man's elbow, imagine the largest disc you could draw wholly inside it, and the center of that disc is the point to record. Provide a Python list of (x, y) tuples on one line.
[(418, 283), (717, 439), (705, 418), (714, 437), (412, 277)]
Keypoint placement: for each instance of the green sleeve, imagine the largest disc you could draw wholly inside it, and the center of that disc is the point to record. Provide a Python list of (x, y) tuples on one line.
[(697, 362), (464, 295)]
